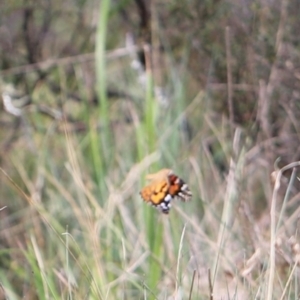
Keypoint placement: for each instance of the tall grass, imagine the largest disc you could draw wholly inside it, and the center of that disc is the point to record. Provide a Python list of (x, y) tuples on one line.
[(82, 240)]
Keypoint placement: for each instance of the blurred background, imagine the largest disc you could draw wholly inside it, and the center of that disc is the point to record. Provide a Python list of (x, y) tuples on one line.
[(97, 94)]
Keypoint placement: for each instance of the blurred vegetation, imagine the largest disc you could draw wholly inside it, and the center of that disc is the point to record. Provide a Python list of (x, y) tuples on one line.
[(96, 94)]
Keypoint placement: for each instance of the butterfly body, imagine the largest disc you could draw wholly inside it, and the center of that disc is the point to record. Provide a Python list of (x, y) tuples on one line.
[(165, 186)]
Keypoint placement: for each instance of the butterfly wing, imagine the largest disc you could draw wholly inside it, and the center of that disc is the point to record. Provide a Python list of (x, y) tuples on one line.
[(162, 191), (157, 193), (178, 188)]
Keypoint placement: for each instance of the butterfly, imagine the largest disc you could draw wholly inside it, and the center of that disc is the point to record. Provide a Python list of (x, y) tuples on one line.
[(165, 186)]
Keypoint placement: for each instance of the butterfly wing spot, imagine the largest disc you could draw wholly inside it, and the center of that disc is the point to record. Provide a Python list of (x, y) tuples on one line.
[(164, 207), (184, 187), (168, 198)]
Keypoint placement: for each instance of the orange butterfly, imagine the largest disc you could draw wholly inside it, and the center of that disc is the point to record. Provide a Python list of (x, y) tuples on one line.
[(163, 188)]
